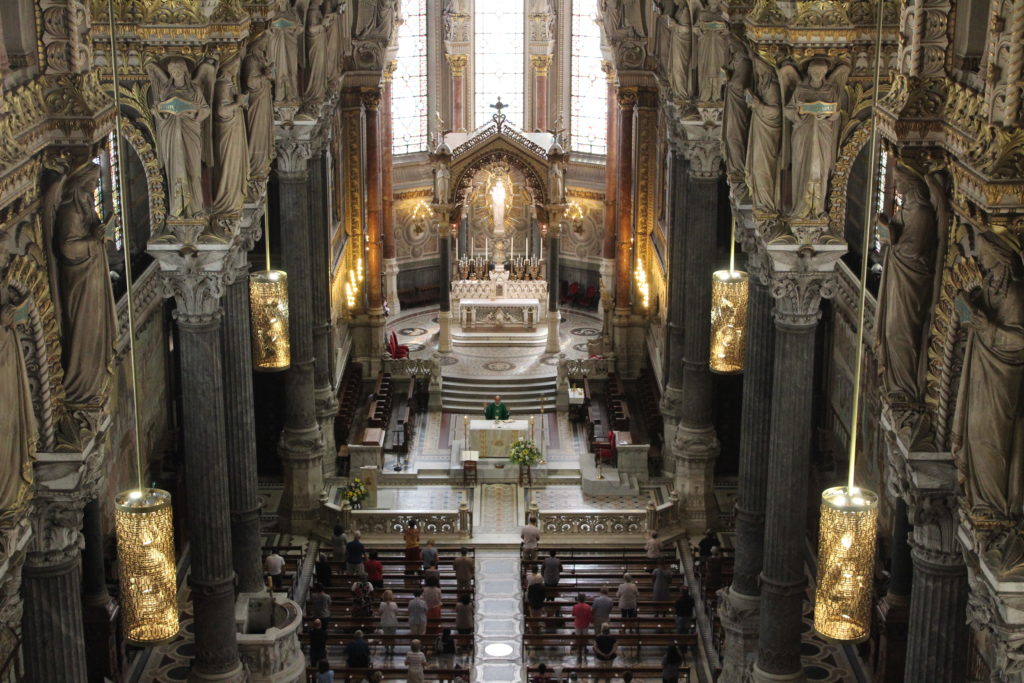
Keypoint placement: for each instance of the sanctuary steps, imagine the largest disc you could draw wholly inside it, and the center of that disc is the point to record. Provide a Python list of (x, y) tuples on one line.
[(523, 395)]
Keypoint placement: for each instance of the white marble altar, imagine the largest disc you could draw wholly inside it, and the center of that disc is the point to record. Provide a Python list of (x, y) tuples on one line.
[(492, 438), (520, 313)]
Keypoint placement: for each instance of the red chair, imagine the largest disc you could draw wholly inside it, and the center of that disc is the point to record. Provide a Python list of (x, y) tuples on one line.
[(571, 293), (395, 349), (587, 300), (603, 454)]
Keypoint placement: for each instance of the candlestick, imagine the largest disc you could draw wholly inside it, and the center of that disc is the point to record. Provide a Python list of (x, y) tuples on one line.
[(541, 248), (485, 249)]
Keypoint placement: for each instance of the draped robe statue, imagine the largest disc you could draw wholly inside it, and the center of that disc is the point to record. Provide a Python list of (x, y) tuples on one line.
[(283, 50), (17, 422), (988, 432), (736, 113), (375, 20), (86, 299), (180, 109), (763, 140), (906, 290), (680, 50), (258, 82), (316, 53), (335, 36), (232, 153), (814, 111), (712, 51)]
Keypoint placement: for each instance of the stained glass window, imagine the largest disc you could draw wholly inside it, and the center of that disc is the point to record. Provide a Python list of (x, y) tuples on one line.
[(498, 60), (588, 87), (409, 87)]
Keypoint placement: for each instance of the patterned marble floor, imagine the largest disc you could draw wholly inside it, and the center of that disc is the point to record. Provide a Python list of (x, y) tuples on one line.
[(499, 616), (571, 497), (498, 513), (419, 330)]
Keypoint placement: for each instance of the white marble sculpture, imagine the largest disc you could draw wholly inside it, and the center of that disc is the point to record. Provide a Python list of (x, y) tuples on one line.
[(258, 85), (316, 53), (762, 166), (286, 29), (680, 50), (712, 33), (230, 144)]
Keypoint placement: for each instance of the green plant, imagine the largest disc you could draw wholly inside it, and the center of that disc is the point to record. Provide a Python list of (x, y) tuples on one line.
[(524, 452)]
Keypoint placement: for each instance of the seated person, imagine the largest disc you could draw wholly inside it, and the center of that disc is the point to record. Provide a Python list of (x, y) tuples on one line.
[(496, 410)]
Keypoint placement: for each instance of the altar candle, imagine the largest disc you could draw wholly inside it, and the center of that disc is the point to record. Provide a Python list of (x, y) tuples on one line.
[(541, 248), (485, 249), (512, 247)]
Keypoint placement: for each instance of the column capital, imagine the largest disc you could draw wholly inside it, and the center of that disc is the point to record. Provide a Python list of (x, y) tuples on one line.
[(540, 64), (294, 148), (705, 157), (197, 292), (802, 275), (628, 96), (388, 74), (370, 97), (457, 63), (56, 532), (609, 72)]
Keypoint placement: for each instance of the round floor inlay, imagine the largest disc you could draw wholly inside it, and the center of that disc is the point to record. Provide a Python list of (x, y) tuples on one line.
[(412, 331), (549, 361), (449, 360), (586, 331), (498, 366), (499, 649), (580, 347), (415, 346)]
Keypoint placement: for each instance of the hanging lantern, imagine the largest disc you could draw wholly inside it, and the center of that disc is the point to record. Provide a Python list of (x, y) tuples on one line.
[(145, 551), (268, 300), (846, 558), (728, 320)]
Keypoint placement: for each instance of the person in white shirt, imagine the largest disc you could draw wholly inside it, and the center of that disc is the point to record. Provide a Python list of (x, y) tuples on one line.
[(274, 567)]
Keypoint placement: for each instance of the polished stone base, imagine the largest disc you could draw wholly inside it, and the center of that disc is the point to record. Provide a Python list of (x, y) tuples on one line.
[(740, 615)]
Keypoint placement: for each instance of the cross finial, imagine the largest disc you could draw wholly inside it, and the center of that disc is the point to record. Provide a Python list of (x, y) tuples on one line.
[(499, 105), (498, 118)]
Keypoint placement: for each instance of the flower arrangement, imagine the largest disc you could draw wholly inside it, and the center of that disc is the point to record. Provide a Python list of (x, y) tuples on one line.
[(356, 491), (524, 452)]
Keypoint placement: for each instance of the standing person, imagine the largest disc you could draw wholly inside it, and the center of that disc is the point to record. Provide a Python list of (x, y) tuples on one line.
[(705, 544), (713, 576), (374, 570), (324, 672), (464, 615), (605, 648), (601, 610), (670, 664), (552, 572), (496, 410), (684, 611), (322, 569), (355, 553), (628, 595), (432, 596), (338, 544), (429, 555), (661, 588), (388, 620), (653, 549), (444, 648), (581, 616), (417, 610), (414, 662), (317, 641), (531, 539), (362, 598), (464, 570), (357, 653), (412, 547), (535, 596), (274, 567), (534, 576), (319, 604)]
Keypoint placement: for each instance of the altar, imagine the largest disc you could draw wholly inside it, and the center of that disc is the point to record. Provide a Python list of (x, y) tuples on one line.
[(520, 313), (493, 438)]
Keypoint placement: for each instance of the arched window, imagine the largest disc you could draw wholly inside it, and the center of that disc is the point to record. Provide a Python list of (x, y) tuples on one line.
[(409, 87), (588, 87), (498, 59)]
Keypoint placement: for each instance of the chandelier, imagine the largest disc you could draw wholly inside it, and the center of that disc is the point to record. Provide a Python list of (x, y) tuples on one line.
[(728, 315), (144, 518), (268, 303)]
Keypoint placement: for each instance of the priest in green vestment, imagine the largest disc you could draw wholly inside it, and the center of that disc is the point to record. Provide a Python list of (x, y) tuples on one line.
[(496, 410)]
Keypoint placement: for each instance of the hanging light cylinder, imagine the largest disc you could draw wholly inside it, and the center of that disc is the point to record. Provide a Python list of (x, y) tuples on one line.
[(729, 294), (268, 302), (846, 558), (145, 550)]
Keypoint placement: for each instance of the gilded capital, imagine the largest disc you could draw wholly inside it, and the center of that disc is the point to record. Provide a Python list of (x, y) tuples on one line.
[(389, 71), (370, 97), (627, 97), (540, 64), (609, 72), (458, 64)]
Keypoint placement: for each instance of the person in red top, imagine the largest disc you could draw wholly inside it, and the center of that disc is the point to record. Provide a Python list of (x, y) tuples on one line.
[(374, 570), (581, 615)]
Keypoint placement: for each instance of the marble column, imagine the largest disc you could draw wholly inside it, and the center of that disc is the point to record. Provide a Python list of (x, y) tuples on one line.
[(99, 610), (553, 344), (53, 638), (610, 206), (387, 185), (740, 610), (240, 436), (374, 243), (627, 99), (458, 64), (324, 396), (893, 609), (540, 64), (783, 580), (672, 395), (301, 444), (211, 577), (695, 444), (444, 247), (937, 640)]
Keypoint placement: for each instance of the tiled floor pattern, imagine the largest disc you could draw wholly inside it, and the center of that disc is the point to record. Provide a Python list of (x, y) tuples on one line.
[(571, 497), (499, 616), (425, 498), (498, 512)]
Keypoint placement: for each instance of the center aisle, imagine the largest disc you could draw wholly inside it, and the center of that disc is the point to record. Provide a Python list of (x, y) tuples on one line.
[(499, 617)]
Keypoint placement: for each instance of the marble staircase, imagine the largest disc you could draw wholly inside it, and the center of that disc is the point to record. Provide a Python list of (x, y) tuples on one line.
[(523, 395)]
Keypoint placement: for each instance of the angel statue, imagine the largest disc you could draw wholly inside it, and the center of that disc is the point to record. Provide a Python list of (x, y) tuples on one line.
[(907, 283), (17, 422), (181, 109), (286, 29), (232, 153), (814, 109), (712, 33), (762, 166)]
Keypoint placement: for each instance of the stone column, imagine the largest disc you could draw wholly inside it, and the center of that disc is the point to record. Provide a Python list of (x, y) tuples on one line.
[(627, 99), (325, 401), (458, 64), (540, 64), (53, 638), (212, 576), (610, 205), (301, 445), (783, 582), (937, 640), (893, 609), (388, 197), (240, 436), (741, 608), (695, 443), (553, 344), (671, 397), (444, 247), (374, 243), (99, 610)]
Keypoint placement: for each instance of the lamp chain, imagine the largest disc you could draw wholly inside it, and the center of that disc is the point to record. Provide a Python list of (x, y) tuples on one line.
[(266, 225), (125, 236), (732, 247), (865, 245)]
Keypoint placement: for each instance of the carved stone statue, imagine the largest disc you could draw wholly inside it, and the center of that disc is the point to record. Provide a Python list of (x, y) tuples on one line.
[(736, 113), (335, 30), (456, 20), (258, 83), (17, 422), (814, 109), (906, 292), (988, 432), (86, 299), (712, 50), (624, 19), (232, 153), (316, 53), (375, 20), (556, 178), (762, 169), (181, 109), (634, 14), (283, 50), (680, 50), (442, 182)]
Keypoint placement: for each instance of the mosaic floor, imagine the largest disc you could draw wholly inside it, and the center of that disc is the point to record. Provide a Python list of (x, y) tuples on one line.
[(498, 513), (571, 497), (419, 330)]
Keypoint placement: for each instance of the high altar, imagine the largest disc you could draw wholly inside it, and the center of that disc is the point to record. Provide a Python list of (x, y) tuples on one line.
[(492, 438)]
